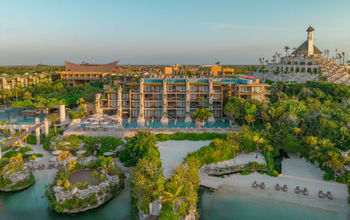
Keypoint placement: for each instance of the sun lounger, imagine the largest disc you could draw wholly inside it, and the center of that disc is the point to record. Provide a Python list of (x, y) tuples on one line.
[(285, 188), (255, 185), (305, 192), (262, 185), (277, 187), (329, 195), (320, 194)]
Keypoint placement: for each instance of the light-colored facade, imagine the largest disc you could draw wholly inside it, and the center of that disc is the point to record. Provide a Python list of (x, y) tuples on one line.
[(165, 99), (25, 80)]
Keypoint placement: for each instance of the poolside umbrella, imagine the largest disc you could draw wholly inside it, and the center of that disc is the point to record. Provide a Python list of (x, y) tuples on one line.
[(29, 153), (56, 152), (81, 152)]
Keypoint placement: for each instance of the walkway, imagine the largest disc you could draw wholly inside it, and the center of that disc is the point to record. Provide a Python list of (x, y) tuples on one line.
[(30, 130)]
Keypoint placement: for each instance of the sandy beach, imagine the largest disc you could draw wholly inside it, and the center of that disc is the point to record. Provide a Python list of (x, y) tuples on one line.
[(172, 153), (300, 173)]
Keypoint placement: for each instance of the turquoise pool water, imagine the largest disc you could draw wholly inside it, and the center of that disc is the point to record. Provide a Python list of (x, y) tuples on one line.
[(240, 206), (16, 116), (28, 204)]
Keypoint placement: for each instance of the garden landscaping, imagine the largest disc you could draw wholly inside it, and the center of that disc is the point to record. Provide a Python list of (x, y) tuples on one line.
[(79, 188), (14, 176)]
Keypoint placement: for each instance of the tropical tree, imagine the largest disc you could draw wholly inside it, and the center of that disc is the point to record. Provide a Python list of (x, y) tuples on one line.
[(32, 158), (173, 195), (202, 114), (258, 141), (286, 48), (53, 118), (335, 162), (63, 157)]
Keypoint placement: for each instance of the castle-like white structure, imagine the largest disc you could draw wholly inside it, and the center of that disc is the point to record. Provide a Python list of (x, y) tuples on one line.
[(301, 59), (304, 64)]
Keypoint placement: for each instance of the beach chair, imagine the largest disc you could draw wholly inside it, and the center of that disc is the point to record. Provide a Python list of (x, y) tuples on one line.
[(285, 188), (262, 185), (320, 194), (297, 190), (305, 192), (277, 187), (329, 196), (255, 185)]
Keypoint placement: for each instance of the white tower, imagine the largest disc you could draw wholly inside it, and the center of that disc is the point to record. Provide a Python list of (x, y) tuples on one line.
[(310, 40)]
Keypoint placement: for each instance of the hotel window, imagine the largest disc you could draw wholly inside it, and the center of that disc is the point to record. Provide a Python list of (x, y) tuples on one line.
[(135, 96), (149, 104), (244, 89), (135, 113), (204, 89), (181, 104), (158, 96), (158, 88), (148, 89), (125, 96), (135, 104), (194, 89), (181, 113), (193, 96)]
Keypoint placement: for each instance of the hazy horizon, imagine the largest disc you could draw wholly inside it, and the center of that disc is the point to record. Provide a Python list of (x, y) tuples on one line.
[(164, 32)]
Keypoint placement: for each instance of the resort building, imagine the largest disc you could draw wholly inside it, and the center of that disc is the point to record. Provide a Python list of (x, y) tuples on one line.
[(165, 99), (25, 80), (76, 74)]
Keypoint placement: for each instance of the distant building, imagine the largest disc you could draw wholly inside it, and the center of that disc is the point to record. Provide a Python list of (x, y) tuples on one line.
[(168, 70), (215, 70), (76, 74), (228, 72), (25, 80)]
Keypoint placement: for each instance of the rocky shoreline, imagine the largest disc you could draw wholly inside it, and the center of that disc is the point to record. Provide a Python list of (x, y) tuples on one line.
[(80, 200), (18, 181)]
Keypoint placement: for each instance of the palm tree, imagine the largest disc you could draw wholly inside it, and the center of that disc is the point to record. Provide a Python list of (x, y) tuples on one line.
[(173, 195), (63, 157), (235, 148), (286, 48), (258, 141), (218, 63), (343, 55), (335, 162), (269, 149), (53, 118), (202, 114)]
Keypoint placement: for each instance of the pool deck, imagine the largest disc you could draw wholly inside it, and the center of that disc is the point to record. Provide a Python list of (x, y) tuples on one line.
[(127, 132)]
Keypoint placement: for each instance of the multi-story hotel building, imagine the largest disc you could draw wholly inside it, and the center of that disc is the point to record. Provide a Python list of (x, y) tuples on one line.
[(25, 80), (76, 74), (175, 98)]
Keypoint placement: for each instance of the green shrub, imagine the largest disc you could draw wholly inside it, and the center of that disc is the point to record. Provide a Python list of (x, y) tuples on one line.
[(245, 172), (39, 155), (10, 153), (326, 176), (180, 136), (31, 139), (273, 173), (26, 149)]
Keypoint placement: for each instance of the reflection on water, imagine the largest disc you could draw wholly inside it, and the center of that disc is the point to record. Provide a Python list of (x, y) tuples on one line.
[(28, 204), (237, 206)]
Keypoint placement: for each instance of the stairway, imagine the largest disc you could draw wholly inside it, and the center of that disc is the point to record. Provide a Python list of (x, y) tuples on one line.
[(332, 71)]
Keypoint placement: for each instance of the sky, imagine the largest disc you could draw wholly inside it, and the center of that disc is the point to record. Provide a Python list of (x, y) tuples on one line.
[(166, 31)]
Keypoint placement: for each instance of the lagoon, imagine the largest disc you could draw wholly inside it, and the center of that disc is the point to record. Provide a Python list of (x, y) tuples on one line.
[(242, 206), (28, 204)]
